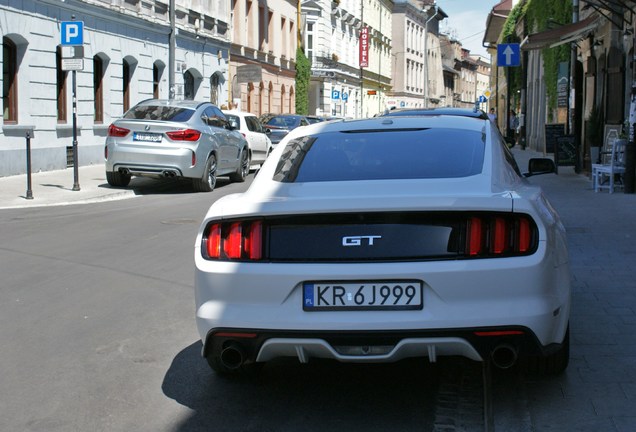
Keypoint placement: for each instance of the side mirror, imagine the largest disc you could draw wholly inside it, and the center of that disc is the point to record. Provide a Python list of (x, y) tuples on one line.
[(537, 166), (267, 131)]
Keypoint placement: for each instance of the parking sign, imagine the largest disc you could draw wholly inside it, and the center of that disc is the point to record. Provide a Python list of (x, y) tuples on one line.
[(72, 32)]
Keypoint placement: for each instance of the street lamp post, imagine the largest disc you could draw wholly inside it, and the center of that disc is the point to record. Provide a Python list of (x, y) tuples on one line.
[(426, 10)]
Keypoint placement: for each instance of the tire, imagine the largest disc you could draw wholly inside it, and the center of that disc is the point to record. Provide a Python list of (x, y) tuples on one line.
[(553, 364), (208, 181), (244, 167), (117, 179)]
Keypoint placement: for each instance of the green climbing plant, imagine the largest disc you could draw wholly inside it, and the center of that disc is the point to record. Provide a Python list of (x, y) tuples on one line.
[(303, 72), (541, 15)]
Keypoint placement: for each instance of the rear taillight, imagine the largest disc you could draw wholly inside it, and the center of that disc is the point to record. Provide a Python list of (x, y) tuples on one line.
[(116, 131), (184, 135), (495, 235), (233, 241)]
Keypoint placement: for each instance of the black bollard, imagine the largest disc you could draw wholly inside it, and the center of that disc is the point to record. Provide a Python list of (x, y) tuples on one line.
[(29, 192)]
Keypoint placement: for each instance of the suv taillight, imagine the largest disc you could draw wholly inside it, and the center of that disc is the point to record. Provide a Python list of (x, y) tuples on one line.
[(494, 235), (116, 131), (233, 241), (184, 135)]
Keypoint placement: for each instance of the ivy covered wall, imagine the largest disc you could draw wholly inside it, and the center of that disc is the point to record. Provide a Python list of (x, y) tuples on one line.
[(540, 15), (303, 71)]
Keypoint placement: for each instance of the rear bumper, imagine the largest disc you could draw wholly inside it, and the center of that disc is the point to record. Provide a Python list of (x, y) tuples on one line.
[(374, 346)]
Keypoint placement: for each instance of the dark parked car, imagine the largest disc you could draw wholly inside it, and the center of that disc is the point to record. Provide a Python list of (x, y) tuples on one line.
[(180, 139), (281, 124)]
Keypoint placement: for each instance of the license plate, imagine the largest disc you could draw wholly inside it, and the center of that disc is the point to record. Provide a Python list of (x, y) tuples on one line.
[(365, 295), (148, 137)]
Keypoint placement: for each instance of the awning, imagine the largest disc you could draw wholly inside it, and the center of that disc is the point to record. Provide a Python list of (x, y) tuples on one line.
[(561, 35)]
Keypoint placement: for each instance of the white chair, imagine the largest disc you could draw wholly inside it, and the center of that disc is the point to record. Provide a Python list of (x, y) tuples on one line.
[(604, 174)]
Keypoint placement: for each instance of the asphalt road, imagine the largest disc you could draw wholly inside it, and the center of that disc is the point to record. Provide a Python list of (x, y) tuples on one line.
[(98, 334)]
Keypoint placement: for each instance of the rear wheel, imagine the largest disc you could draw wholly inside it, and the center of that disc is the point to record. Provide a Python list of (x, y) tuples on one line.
[(208, 181), (554, 363), (244, 167), (115, 178)]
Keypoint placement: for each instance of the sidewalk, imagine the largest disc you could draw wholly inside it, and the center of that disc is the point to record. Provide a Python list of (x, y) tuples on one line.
[(56, 188)]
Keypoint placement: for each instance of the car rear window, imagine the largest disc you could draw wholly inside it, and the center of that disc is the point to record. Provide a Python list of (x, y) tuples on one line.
[(382, 155), (160, 112), (282, 122)]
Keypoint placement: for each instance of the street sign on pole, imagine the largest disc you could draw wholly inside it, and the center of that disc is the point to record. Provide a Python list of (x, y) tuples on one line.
[(72, 33), (72, 41), (508, 54), (335, 94), (72, 58)]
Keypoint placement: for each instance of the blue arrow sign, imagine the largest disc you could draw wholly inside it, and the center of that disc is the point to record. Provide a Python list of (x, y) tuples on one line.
[(72, 32), (508, 54), (483, 99)]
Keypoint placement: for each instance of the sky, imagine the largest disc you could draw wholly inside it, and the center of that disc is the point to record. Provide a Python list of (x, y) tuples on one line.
[(467, 22)]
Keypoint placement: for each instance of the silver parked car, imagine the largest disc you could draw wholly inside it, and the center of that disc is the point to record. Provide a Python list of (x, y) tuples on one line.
[(180, 139)]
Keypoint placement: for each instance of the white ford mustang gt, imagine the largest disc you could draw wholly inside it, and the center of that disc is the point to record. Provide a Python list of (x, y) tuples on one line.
[(381, 239)]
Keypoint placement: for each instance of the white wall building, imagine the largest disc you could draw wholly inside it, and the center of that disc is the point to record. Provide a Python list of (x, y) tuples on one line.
[(125, 60), (417, 56), (331, 40)]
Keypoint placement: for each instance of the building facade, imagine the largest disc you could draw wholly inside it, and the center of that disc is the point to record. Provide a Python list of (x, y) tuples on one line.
[(418, 79), (263, 59), (331, 39), (125, 60)]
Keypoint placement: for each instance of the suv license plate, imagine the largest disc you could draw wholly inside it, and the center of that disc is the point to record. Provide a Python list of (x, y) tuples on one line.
[(147, 137), (376, 295)]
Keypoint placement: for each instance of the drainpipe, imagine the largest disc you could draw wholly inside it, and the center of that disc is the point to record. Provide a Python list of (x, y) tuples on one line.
[(572, 127), (171, 51)]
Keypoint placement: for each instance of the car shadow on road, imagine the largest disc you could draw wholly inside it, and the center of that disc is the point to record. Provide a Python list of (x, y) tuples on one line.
[(289, 396), (148, 186)]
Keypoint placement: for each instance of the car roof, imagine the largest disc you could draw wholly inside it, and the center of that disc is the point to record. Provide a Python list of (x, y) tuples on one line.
[(455, 111), (239, 113)]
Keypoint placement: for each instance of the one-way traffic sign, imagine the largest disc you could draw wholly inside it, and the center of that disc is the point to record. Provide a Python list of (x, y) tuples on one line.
[(508, 54)]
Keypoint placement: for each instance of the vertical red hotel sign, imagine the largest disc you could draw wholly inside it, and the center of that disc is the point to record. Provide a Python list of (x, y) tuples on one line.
[(364, 47)]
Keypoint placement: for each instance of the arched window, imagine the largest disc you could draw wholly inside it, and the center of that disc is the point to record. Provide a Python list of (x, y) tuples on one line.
[(292, 107), (98, 89), (250, 94), (158, 67), (9, 81), (214, 88), (188, 86), (282, 98), (125, 81), (155, 81), (261, 90), (61, 87)]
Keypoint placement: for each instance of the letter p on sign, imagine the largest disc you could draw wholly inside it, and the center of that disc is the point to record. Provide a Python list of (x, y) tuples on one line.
[(72, 32)]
